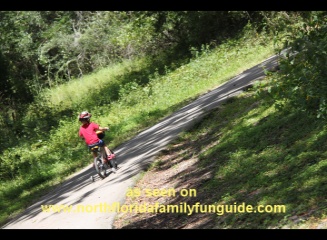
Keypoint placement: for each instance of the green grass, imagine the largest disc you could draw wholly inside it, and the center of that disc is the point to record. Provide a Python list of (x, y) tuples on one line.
[(128, 98), (257, 155)]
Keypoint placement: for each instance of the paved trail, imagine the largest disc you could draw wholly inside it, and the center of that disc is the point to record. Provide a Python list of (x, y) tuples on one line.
[(133, 156)]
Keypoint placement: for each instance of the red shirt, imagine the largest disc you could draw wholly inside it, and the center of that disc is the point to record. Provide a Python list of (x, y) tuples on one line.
[(87, 131)]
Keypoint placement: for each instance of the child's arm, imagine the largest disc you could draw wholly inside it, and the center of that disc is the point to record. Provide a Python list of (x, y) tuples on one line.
[(103, 128)]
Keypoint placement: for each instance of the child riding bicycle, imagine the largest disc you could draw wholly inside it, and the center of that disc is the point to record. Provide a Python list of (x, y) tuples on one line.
[(88, 131)]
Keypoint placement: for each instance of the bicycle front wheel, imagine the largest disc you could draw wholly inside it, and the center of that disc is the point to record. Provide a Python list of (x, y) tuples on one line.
[(100, 168)]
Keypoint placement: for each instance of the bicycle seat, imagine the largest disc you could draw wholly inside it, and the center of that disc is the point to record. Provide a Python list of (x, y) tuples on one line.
[(94, 149)]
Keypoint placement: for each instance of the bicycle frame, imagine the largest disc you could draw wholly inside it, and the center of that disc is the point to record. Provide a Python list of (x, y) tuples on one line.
[(101, 152), (101, 164)]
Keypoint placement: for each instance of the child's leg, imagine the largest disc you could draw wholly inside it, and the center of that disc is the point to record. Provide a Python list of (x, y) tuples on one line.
[(108, 151)]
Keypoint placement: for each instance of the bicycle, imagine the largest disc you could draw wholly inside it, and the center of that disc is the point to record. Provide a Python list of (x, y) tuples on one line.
[(101, 164)]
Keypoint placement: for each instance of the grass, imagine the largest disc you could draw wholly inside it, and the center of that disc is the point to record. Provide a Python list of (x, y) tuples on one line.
[(244, 152), (129, 100)]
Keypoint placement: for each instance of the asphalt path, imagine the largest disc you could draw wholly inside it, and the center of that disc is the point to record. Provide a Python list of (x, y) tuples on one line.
[(100, 198)]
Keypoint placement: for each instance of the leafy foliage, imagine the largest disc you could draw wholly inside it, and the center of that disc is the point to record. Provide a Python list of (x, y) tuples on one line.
[(301, 82)]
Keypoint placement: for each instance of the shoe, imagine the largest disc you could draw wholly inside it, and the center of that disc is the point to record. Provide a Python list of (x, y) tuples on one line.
[(113, 170), (111, 156)]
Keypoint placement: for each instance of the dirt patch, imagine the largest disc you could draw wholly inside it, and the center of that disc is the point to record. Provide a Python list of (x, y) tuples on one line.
[(175, 170)]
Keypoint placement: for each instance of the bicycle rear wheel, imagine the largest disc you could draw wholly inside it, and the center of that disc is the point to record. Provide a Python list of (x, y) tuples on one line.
[(100, 168)]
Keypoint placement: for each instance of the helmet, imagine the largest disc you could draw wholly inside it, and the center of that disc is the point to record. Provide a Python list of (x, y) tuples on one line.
[(85, 115)]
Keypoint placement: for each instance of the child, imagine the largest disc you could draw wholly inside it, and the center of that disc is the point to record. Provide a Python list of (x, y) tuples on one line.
[(88, 132)]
